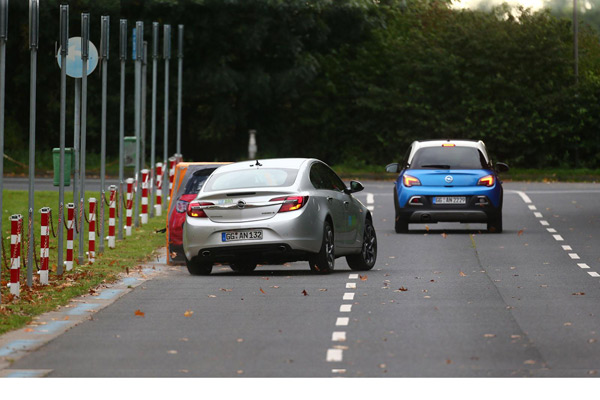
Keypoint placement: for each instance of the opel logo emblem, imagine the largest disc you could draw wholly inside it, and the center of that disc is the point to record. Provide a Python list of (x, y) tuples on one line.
[(448, 178), (241, 204)]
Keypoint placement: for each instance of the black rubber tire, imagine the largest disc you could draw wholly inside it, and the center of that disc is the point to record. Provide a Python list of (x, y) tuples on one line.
[(324, 261), (243, 268), (196, 267), (400, 224), (366, 259), (494, 225)]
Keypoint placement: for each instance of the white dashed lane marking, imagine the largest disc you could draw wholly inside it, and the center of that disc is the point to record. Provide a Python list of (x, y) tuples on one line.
[(350, 285), (557, 237), (338, 337), (348, 296), (342, 321), (346, 308), (334, 355)]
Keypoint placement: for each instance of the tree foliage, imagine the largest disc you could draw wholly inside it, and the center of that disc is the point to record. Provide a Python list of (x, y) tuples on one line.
[(345, 81)]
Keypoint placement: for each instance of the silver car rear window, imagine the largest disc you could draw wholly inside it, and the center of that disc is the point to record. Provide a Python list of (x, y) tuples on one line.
[(252, 178)]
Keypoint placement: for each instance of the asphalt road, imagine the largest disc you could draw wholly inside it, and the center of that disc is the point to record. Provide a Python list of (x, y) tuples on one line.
[(444, 300)]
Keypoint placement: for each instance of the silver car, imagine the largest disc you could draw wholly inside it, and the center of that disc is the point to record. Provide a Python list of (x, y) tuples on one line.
[(276, 211)]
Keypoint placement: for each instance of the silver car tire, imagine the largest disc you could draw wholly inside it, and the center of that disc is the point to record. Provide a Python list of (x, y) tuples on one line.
[(324, 261), (367, 257), (196, 267)]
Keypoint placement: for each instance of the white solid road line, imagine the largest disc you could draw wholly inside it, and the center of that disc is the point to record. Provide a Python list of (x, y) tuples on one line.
[(525, 198)]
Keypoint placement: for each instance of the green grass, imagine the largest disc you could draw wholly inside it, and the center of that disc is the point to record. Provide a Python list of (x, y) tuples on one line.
[(128, 254)]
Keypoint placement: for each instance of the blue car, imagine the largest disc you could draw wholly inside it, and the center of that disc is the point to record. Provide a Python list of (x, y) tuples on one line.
[(447, 181)]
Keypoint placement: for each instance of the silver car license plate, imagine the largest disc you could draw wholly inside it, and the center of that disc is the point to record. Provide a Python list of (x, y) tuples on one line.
[(232, 236), (450, 200)]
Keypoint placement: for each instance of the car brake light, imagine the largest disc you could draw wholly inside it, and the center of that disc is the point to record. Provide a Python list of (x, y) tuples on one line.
[(291, 203), (448, 145), (411, 181), (487, 180), (195, 211)]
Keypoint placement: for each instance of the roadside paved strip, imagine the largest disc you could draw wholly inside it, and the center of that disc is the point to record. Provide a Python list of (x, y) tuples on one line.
[(16, 344)]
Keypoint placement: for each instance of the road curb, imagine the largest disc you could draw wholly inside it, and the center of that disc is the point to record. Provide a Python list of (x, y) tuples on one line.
[(16, 344)]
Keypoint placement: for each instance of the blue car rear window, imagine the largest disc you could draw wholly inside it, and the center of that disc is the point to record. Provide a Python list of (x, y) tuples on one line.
[(449, 158)]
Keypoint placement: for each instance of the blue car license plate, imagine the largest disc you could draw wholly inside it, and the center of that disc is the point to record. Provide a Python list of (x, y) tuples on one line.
[(233, 236), (450, 200)]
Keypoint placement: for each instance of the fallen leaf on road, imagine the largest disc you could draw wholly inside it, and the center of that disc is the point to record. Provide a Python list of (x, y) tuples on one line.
[(184, 371), (212, 296), (225, 290), (489, 335), (462, 273), (402, 289), (139, 313), (427, 228), (515, 336), (520, 232), (363, 278), (579, 294), (188, 313), (262, 291), (172, 352), (28, 330), (592, 341), (567, 324), (184, 339), (240, 340), (322, 290), (304, 292), (444, 235), (274, 287), (529, 362), (448, 362), (266, 278)]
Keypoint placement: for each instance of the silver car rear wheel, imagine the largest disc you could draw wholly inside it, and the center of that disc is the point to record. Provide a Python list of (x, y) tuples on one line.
[(366, 259), (324, 261)]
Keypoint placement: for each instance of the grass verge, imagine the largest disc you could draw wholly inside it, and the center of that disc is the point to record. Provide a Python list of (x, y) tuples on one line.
[(128, 254)]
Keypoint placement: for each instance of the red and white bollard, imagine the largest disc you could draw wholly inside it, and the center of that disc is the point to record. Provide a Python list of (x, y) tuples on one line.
[(16, 227), (172, 163), (112, 208), (128, 206), (145, 185), (44, 244), (92, 231), (70, 234), (159, 178)]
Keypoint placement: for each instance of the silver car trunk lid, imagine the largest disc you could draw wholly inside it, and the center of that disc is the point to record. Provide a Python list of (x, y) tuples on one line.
[(243, 205)]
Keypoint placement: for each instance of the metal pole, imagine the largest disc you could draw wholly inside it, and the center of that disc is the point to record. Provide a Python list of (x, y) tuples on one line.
[(139, 46), (155, 27), (167, 57), (143, 103), (179, 85), (104, 45), (123, 57), (85, 46), (64, 49), (33, 45), (3, 37), (576, 41)]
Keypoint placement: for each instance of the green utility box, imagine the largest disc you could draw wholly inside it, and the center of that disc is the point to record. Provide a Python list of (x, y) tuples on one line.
[(69, 165), (129, 151)]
